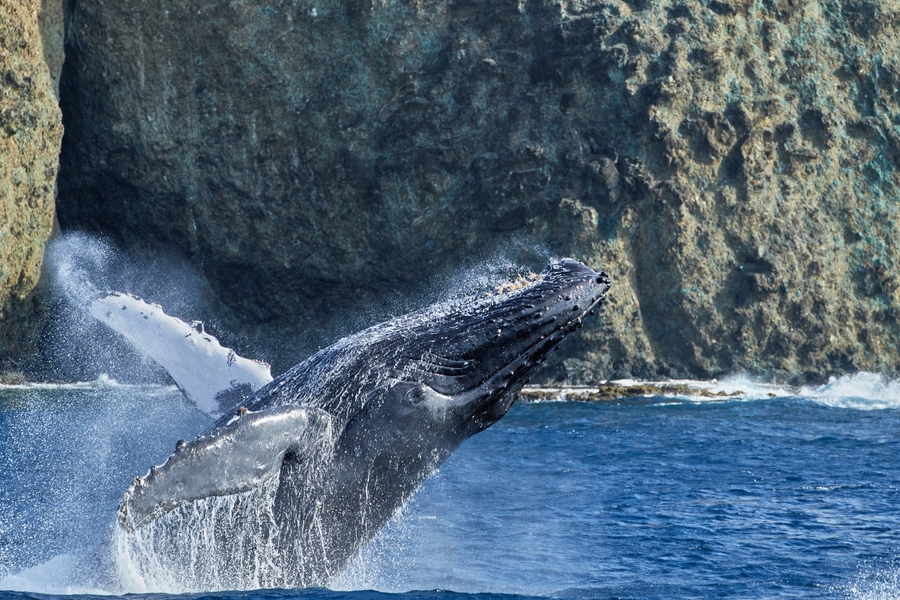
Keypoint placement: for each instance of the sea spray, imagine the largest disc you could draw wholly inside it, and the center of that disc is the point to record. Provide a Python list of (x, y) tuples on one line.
[(67, 452), (381, 564), (219, 543), (861, 391), (80, 269), (875, 583), (237, 541)]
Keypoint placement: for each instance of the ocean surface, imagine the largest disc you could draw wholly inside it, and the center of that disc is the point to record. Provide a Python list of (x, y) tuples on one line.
[(773, 493)]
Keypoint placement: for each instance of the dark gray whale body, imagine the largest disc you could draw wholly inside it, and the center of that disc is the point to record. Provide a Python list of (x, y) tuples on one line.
[(286, 489)]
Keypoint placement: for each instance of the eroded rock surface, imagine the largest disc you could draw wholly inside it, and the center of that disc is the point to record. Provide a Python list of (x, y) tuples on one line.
[(732, 165), (31, 55)]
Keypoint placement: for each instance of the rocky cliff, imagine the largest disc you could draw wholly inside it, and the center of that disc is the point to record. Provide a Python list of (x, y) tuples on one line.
[(31, 55), (732, 164)]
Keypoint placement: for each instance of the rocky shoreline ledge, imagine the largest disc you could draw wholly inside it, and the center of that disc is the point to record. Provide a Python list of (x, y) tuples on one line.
[(609, 391)]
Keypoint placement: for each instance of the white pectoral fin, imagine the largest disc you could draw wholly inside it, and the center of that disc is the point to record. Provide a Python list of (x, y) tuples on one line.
[(246, 452), (211, 376)]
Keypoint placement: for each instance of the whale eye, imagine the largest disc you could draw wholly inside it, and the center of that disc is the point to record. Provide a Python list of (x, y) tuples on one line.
[(416, 395)]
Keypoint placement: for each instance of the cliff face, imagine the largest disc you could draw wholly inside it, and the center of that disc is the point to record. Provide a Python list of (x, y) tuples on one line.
[(732, 165), (31, 55)]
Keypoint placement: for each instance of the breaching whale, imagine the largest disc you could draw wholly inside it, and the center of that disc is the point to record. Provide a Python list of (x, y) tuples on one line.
[(285, 488)]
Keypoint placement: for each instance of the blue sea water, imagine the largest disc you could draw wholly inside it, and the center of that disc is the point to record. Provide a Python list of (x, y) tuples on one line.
[(791, 496)]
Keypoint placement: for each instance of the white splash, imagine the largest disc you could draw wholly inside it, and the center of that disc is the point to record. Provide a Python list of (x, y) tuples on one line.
[(730, 389), (877, 584), (734, 387), (171, 555), (78, 263), (860, 391), (199, 364), (51, 577), (103, 381)]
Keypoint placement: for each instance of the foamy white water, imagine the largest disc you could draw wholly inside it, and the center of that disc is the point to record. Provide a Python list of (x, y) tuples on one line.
[(857, 391), (104, 381), (860, 391), (875, 584)]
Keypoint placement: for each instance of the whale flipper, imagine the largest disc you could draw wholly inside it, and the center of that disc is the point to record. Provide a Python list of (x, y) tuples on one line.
[(212, 377), (244, 453)]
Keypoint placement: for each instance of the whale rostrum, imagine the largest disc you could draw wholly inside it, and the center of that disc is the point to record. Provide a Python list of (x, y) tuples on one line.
[(286, 487)]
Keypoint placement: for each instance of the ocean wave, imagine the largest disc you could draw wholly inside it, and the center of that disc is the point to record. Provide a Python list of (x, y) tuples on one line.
[(860, 391)]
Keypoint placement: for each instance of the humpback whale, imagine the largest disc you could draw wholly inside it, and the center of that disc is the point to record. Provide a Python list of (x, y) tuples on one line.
[(288, 485)]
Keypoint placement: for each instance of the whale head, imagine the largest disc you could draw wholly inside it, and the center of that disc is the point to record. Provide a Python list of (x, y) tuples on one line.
[(475, 359), (466, 358), (461, 362)]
